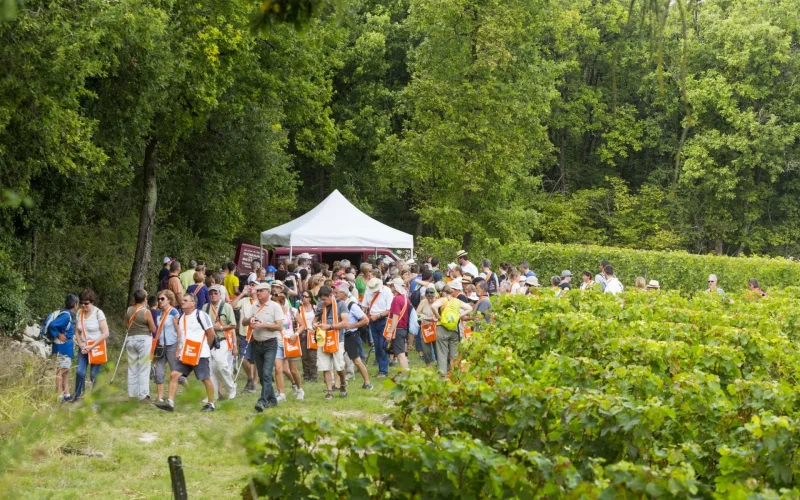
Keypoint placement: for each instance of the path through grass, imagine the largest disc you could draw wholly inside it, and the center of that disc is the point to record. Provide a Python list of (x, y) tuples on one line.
[(120, 450)]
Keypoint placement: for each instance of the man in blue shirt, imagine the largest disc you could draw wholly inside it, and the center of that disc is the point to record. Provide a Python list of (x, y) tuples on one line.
[(62, 329)]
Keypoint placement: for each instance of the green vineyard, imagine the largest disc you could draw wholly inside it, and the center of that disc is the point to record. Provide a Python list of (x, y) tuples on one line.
[(646, 395)]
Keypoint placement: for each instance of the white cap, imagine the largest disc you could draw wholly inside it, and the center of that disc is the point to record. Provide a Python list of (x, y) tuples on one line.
[(167, 260)]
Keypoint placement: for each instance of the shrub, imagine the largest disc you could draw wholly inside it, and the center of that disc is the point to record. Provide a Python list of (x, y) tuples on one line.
[(675, 270)]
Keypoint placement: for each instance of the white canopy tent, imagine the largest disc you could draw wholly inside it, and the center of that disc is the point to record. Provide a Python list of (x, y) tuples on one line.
[(336, 223)]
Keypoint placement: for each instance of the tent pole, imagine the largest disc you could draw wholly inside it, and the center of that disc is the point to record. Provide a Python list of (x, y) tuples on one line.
[(376, 255), (290, 253), (261, 254)]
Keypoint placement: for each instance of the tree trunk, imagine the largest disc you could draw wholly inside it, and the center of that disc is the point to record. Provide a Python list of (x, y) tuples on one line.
[(718, 246), (141, 261), (562, 162), (467, 241)]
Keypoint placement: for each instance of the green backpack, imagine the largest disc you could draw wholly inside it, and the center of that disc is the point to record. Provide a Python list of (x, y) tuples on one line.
[(451, 314)]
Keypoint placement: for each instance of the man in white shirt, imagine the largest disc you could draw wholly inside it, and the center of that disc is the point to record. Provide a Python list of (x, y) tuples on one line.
[(266, 318), (613, 286), (196, 336), (600, 277), (466, 265), (377, 302)]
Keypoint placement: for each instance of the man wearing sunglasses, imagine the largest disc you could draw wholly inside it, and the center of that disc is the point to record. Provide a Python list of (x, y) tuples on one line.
[(712, 284)]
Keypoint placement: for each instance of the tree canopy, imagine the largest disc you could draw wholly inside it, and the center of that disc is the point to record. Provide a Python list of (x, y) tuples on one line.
[(135, 129)]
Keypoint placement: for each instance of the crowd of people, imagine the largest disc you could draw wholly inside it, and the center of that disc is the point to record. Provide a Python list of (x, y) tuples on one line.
[(267, 323)]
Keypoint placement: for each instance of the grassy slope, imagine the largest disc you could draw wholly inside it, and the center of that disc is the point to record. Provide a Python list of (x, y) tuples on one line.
[(208, 444)]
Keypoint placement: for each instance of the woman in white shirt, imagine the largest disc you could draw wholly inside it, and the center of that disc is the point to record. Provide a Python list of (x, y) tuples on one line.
[(91, 332), (283, 365)]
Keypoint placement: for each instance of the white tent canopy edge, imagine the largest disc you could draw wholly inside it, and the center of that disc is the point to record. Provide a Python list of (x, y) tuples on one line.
[(336, 223)]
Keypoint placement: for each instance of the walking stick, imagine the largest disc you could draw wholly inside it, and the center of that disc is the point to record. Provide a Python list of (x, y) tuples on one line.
[(119, 359)]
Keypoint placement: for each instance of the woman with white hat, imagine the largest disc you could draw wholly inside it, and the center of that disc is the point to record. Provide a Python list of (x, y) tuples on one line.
[(397, 330)]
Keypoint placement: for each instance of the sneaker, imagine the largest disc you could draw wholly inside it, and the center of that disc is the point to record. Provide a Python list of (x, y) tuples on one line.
[(380, 375), (204, 401), (367, 387), (160, 400), (259, 407), (294, 389), (281, 398), (343, 393), (301, 394), (65, 399), (329, 395), (271, 405), (165, 406), (208, 407), (250, 386), (393, 363)]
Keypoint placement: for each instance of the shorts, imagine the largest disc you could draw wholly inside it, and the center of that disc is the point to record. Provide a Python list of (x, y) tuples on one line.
[(202, 371), (399, 341), (280, 353), (160, 363), (63, 361), (327, 361), (352, 344), (245, 350)]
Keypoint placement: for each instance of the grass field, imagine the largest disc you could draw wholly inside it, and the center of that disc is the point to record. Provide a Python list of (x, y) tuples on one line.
[(119, 449)]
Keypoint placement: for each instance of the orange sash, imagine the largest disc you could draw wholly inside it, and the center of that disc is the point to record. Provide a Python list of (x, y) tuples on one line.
[(164, 318), (228, 333), (331, 336), (190, 355), (388, 331), (428, 332), (311, 339), (250, 326), (98, 354)]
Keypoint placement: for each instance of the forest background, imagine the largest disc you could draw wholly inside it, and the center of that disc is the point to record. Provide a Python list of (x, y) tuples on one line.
[(135, 129)]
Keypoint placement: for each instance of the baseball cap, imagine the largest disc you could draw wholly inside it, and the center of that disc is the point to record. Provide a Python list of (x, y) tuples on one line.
[(271, 269), (263, 286), (167, 260), (566, 273)]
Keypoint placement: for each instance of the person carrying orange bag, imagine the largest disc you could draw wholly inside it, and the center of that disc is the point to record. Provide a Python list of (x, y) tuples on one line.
[(196, 331), (333, 319), (91, 334)]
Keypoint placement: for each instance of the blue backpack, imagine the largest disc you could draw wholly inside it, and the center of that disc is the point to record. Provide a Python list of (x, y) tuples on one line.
[(44, 333)]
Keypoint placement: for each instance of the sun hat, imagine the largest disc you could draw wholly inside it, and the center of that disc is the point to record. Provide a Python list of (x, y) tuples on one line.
[(474, 297), (343, 287), (566, 273), (653, 284), (374, 284), (263, 286), (399, 285), (456, 284), (532, 281), (461, 253)]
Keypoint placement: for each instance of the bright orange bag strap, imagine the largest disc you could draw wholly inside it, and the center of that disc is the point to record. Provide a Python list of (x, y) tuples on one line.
[(372, 302), (250, 326), (130, 321), (164, 318)]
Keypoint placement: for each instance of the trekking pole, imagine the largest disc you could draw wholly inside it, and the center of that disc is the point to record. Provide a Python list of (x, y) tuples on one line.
[(238, 371), (119, 359)]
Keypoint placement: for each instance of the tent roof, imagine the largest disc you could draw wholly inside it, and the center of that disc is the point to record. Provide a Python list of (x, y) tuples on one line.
[(336, 223)]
